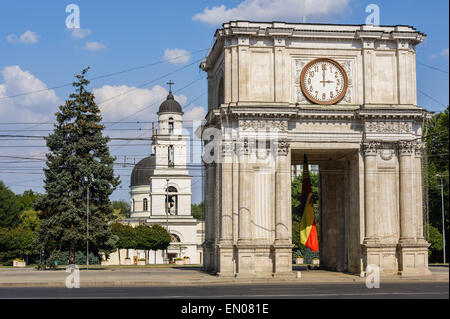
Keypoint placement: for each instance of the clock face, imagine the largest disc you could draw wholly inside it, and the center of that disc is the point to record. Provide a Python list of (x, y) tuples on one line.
[(323, 81)]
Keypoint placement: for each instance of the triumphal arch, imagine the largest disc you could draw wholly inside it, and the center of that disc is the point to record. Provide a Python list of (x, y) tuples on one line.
[(344, 95)]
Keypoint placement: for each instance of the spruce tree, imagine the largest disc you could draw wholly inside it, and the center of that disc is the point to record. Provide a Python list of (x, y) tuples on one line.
[(78, 159)]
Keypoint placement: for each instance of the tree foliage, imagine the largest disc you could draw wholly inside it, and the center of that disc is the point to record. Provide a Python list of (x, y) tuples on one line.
[(9, 208), (197, 211), (121, 209), (437, 151), (78, 159)]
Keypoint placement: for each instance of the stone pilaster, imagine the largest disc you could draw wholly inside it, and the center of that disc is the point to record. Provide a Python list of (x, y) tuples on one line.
[(282, 246)]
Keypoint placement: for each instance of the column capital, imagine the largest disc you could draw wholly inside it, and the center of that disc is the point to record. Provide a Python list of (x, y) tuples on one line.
[(419, 148), (242, 147), (370, 148), (283, 147), (406, 147), (227, 148)]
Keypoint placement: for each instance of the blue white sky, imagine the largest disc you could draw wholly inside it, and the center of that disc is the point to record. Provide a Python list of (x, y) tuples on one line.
[(160, 41)]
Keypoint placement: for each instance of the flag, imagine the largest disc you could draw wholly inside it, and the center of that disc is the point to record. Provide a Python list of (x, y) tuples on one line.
[(308, 231)]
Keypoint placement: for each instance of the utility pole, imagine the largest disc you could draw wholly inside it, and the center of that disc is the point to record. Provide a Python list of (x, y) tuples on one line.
[(88, 182), (167, 216), (443, 219)]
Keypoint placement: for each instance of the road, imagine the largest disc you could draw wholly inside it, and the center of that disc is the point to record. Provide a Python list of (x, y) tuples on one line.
[(402, 290)]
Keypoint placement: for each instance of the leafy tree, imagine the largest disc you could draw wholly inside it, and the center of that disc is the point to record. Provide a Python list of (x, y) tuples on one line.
[(27, 200), (9, 209), (148, 238), (126, 236), (145, 239), (437, 140), (162, 237), (5, 239), (23, 241), (79, 159), (30, 220), (197, 211), (435, 239), (121, 209)]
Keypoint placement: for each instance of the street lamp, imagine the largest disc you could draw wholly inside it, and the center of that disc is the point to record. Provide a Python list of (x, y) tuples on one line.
[(88, 181), (443, 219)]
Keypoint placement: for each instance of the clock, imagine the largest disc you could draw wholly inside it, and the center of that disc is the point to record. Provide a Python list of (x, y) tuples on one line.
[(323, 81)]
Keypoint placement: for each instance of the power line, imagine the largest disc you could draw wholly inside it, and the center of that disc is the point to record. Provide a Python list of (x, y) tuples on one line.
[(103, 76), (432, 67)]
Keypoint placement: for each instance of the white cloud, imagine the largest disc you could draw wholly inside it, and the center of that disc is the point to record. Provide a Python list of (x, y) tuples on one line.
[(79, 33), (27, 37), (29, 107), (194, 113), (117, 102), (443, 53), (94, 46), (269, 10), (177, 56)]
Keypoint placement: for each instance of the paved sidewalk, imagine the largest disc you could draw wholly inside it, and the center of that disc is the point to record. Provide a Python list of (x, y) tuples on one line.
[(182, 276)]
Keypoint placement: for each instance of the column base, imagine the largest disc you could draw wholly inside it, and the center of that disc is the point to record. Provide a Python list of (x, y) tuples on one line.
[(226, 261), (382, 255), (282, 265), (413, 258)]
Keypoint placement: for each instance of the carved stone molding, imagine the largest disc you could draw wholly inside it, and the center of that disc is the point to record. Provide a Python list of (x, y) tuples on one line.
[(370, 148), (388, 127), (263, 125), (227, 148), (387, 154), (242, 147), (419, 148), (283, 148), (406, 147)]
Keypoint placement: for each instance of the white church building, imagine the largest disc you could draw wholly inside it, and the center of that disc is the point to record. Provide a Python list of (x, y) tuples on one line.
[(161, 192)]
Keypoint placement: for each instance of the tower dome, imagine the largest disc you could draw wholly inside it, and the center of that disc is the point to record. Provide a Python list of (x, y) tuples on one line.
[(170, 105), (142, 171)]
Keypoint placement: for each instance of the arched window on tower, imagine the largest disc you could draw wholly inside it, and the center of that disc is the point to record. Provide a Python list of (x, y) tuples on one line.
[(175, 238), (133, 206), (172, 200), (145, 205), (171, 126), (171, 159)]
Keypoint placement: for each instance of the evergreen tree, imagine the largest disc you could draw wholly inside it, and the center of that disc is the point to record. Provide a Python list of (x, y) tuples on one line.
[(79, 159), (9, 208)]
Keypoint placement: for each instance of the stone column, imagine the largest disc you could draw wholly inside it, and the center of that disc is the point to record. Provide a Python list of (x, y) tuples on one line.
[(413, 253), (407, 205), (372, 251), (282, 245), (419, 147), (282, 183), (370, 192), (245, 249), (226, 225), (208, 260), (244, 232)]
